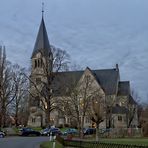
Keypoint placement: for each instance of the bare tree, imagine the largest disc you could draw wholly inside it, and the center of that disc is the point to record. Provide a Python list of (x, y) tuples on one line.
[(78, 100), (21, 85), (7, 87), (97, 112), (132, 107), (110, 101), (56, 61)]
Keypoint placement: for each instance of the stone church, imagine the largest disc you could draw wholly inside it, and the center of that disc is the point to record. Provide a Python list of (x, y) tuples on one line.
[(108, 80)]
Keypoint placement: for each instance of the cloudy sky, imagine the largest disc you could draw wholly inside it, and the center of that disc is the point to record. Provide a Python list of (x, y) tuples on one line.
[(96, 33)]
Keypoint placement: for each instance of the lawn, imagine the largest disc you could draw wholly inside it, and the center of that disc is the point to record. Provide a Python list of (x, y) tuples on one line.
[(132, 141), (50, 144), (37, 128), (135, 141)]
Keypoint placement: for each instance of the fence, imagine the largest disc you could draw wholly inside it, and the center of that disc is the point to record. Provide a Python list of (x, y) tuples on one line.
[(94, 144), (122, 132)]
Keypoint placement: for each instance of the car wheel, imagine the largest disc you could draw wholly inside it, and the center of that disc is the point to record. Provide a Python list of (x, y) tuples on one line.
[(1, 136)]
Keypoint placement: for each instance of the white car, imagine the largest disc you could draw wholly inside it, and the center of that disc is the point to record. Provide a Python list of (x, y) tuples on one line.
[(2, 134)]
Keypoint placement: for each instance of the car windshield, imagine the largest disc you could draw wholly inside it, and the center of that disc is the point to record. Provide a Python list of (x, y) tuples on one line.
[(54, 129), (46, 129), (72, 129), (27, 129)]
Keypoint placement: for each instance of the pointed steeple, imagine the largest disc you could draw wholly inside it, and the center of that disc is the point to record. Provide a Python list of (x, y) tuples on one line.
[(42, 42)]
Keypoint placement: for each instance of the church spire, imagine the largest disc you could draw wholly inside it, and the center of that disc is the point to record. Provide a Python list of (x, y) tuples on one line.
[(42, 9), (42, 43)]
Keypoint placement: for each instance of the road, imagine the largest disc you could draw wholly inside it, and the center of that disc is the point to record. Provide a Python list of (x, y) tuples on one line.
[(22, 142)]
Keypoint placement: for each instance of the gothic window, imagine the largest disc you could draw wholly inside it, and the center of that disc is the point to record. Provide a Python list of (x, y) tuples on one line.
[(35, 63), (68, 120), (38, 62), (41, 63), (37, 101), (87, 120), (119, 118), (33, 120)]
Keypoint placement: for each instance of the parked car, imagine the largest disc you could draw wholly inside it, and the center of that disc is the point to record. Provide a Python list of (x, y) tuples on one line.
[(105, 130), (72, 131), (2, 134), (45, 131), (28, 132), (51, 131), (89, 131)]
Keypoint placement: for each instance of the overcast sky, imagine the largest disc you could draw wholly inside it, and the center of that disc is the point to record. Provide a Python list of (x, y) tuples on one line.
[(96, 33)]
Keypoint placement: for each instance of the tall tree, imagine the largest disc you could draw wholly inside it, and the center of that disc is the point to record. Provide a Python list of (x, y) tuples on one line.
[(56, 61), (98, 111), (21, 85), (7, 87), (77, 103)]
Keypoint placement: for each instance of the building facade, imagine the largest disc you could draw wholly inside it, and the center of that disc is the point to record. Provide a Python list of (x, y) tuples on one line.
[(121, 109)]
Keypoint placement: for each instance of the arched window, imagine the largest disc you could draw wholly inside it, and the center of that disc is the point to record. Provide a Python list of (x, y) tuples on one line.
[(33, 120), (35, 63), (37, 101)]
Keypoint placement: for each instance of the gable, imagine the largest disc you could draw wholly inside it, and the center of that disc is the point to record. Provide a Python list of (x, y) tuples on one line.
[(89, 78), (106, 78)]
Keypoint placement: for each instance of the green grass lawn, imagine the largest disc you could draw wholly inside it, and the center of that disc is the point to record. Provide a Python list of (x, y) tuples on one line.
[(132, 141), (64, 129), (135, 141), (37, 128), (49, 145)]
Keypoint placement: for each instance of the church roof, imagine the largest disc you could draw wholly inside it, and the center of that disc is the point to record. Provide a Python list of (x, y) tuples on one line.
[(131, 100), (107, 78), (119, 110), (124, 88), (42, 42)]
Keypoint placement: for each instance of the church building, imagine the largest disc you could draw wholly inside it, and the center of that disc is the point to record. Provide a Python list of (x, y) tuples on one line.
[(106, 80)]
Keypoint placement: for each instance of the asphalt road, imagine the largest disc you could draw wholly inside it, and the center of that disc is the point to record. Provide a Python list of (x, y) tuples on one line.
[(22, 142)]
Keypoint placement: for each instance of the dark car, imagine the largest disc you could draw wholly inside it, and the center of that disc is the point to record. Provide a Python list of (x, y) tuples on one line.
[(51, 131), (71, 131), (28, 132), (2, 134), (89, 131)]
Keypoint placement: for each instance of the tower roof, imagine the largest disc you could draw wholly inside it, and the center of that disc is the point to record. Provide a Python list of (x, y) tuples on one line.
[(42, 42)]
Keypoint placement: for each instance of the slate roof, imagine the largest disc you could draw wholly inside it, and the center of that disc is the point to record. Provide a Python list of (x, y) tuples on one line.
[(119, 110), (124, 88), (131, 100), (107, 78), (42, 42)]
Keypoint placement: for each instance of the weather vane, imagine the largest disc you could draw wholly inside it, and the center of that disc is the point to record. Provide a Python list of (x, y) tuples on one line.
[(42, 9)]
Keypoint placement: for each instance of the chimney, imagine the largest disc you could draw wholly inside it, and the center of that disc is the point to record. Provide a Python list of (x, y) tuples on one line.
[(117, 67)]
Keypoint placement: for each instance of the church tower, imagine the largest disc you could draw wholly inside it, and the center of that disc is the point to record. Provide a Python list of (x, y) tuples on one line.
[(41, 58)]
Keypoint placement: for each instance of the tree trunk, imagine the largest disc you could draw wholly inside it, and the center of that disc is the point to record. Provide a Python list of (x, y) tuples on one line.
[(3, 117), (82, 126), (41, 117), (48, 122), (16, 117), (97, 132), (79, 128)]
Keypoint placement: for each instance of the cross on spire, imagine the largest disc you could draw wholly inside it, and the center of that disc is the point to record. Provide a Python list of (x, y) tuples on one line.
[(42, 9)]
